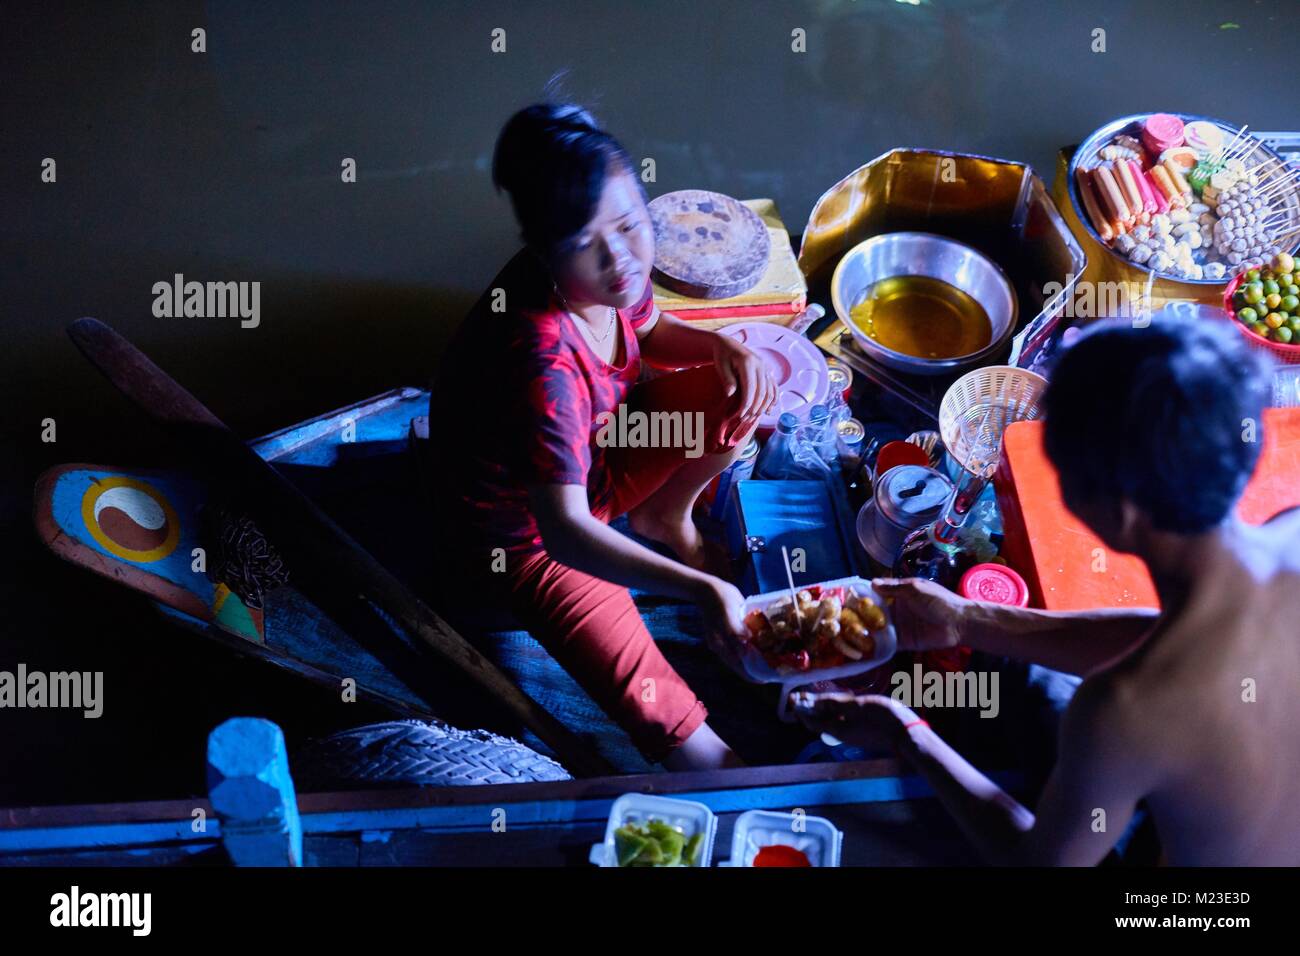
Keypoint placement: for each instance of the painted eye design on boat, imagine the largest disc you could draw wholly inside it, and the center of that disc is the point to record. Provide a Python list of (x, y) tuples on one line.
[(130, 519)]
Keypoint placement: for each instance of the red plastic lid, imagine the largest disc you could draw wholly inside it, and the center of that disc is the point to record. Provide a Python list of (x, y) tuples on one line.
[(895, 453), (995, 583)]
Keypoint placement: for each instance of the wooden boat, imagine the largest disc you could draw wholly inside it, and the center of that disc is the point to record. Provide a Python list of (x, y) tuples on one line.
[(886, 818), (360, 464)]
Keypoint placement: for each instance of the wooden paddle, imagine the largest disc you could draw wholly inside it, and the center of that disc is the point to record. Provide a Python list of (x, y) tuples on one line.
[(326, 562)]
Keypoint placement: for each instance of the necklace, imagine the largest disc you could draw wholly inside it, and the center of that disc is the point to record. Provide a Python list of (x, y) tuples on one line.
[(613, 319)]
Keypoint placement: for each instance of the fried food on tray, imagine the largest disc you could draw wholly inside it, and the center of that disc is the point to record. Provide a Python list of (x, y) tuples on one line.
[(831, 627)]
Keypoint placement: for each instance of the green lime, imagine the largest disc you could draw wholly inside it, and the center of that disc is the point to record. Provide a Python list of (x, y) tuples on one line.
[(1290, 302), (1293, 323), (1248, 315), (1283, 334), (1252, 275), (1254, 293), (1271, 287)]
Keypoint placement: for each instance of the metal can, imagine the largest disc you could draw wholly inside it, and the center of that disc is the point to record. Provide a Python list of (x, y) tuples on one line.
[(851, 436), (841, 378), (737, 471)]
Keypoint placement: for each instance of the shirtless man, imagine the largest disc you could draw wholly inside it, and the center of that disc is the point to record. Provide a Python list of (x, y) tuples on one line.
[(1193, 709)]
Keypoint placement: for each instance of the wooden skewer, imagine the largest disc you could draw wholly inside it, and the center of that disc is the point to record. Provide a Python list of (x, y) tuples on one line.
[(1248, 146), (794, 598), (1225, 149), (1264, 165), (1275, 185)]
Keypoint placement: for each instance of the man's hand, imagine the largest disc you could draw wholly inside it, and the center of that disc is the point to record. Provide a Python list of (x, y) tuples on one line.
[(925, 615), (743, 372), (870, 721)]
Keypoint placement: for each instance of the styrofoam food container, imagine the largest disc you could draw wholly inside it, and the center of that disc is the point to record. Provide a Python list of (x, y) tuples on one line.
[(687, 815), (816, 837), (760, 671)]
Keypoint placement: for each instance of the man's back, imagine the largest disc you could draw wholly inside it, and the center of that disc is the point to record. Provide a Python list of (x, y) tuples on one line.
[(1214, 698)]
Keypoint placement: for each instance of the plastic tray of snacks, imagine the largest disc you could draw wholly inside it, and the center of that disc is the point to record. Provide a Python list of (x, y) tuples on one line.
[(692, 823), (833, 655), (1186, 164), (800, 840)]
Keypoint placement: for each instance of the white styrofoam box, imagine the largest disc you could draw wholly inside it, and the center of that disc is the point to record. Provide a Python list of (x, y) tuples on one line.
[(639, 808), (816, 837)]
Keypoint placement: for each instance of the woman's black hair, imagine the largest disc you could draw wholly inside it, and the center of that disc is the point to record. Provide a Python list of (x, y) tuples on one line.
[(554, 159), (1166, 416)]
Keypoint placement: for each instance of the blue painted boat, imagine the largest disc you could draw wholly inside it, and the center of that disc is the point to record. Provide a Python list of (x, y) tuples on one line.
[(363, 465)]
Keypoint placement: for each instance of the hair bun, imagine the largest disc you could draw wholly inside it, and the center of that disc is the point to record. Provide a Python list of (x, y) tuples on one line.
[(570, 116), (553, 158)]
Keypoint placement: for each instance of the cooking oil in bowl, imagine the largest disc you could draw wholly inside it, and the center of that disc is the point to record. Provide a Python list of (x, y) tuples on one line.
[(923, 317)]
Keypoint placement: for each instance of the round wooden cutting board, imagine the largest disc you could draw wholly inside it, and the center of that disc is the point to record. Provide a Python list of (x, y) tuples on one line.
[(707, 245)]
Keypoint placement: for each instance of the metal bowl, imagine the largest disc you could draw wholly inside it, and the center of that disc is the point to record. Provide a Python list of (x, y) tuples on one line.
[(924, 254), (1086, 154)]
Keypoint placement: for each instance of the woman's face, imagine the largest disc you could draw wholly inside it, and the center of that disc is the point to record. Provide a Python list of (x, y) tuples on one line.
[(609, 260)]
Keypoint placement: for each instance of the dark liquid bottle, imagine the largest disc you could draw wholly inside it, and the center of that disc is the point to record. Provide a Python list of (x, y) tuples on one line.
[(936, 552)]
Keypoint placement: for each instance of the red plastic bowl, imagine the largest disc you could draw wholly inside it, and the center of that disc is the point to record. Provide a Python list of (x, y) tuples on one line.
[(1288, 353)]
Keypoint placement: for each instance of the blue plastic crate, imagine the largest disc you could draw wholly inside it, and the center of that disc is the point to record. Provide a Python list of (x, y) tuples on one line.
[(812, 516)]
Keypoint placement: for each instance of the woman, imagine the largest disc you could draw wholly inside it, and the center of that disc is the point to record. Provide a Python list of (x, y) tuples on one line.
[(528, 484)]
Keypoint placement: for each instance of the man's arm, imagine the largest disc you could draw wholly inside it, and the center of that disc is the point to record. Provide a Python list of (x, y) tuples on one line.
[(1089, 799), (928, 616), (1077, 642)]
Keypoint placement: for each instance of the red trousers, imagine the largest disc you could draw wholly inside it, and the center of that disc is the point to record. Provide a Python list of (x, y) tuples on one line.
[(591, 626)]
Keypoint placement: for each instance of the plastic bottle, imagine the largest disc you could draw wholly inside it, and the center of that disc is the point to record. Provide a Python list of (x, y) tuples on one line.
[(777, 457)]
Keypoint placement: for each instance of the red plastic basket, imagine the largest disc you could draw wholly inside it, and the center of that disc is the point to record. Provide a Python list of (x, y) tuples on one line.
[(1282, 351)]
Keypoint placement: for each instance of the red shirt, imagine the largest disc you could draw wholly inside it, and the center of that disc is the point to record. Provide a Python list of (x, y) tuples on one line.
[(515, 404)]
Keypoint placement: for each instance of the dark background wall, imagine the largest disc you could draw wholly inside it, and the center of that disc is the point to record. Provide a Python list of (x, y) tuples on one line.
[(225, 166)]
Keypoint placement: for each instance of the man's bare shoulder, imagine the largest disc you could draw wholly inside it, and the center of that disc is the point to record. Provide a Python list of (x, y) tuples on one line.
[(1285, 525)]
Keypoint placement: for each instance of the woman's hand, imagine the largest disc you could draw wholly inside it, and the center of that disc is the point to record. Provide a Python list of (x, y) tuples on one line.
[(926, 616), (870, 721), (723, 607), (743, 372)]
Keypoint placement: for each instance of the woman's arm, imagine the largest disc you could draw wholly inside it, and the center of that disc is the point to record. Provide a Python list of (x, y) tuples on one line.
[(668, 342), (575, 538), (928, 616)]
